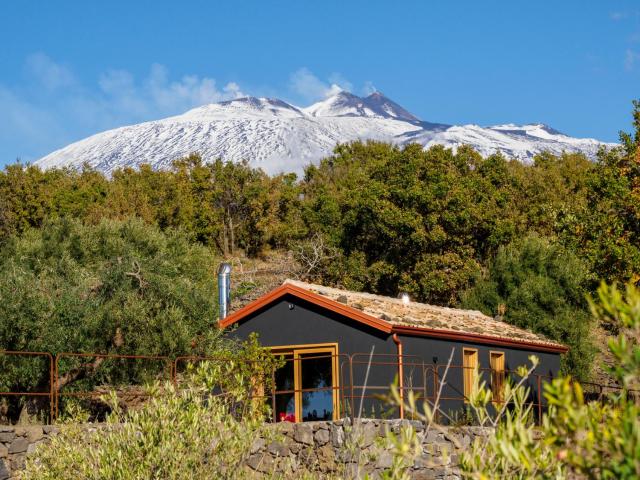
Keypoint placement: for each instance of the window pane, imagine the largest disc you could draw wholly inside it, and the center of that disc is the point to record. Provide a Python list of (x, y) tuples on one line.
[(285, 402), (316, 373)]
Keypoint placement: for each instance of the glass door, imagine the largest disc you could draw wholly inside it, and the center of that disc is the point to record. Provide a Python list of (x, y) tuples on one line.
[(307, 385), (316, 385), (285, 402)]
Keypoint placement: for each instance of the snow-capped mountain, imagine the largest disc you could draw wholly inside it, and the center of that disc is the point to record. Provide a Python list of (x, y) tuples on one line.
[(346, 104), (277, 136)]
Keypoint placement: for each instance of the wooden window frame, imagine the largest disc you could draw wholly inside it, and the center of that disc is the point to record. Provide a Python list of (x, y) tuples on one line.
[(469, 374), (296, 351), (497, 375)]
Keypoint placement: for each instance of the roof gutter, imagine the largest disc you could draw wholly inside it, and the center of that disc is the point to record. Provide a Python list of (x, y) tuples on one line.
[(476, 338)]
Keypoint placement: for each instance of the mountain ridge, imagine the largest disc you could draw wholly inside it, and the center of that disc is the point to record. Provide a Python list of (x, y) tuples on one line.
[(278, 136)]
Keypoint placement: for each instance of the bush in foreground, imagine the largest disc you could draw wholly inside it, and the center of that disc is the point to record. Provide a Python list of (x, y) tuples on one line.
[(193, 433), (577, 439)]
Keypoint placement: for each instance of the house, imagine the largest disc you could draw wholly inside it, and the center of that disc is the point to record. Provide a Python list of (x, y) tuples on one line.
[(343, 349)]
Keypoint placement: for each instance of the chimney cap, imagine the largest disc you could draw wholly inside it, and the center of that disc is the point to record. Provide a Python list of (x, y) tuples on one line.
[(224, 268), (404, 296)]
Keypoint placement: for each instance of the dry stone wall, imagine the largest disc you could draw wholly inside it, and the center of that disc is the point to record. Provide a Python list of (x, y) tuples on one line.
[(16, 443), (346, 450), (326, 448)]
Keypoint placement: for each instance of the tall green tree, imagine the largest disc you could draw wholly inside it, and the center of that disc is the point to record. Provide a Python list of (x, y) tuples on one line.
[(423, 221), (539, 285), (118, 287), (607, 230)]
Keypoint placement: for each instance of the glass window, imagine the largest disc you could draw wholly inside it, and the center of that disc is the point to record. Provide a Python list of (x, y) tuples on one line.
[(316, 374), (306, 386), (285, 392)]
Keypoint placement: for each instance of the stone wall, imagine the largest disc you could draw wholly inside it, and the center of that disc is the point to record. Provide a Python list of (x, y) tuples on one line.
[(327, 448), (16, 443), (342, 449)]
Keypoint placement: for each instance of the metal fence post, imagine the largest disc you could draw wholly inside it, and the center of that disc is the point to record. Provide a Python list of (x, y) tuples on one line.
[(435, 392), (539, 400), (351, 409), (273, 394)]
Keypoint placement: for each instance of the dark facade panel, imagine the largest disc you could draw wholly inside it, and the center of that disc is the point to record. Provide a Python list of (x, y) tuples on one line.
[(292, 321), (435, 354)]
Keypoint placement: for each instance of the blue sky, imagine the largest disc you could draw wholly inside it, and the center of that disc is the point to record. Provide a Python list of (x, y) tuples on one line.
[(72, 68)]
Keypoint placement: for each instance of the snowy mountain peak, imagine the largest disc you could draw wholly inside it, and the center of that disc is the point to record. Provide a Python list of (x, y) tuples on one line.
[(244, 106), (539, 130), (342, 104), (346, 104), (278, 136), (388, 108)]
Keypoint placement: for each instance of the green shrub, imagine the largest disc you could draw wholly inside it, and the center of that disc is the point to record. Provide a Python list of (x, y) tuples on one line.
[(539, 285), (197, 432), (119, 287)]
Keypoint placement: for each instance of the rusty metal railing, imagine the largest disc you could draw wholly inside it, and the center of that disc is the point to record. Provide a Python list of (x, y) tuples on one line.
[(348, 388), (42, 393), (58, 393)]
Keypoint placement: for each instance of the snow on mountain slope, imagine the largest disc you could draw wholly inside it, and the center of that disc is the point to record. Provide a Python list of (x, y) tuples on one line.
[(277, 136), (518, 141), (345, 104)]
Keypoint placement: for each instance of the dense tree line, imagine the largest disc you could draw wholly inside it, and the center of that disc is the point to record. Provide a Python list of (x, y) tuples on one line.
[(118, 287), (447, 227), (223, 205)]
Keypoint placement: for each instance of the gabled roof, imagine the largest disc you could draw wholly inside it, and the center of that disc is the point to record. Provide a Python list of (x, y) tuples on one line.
[(392, 315)]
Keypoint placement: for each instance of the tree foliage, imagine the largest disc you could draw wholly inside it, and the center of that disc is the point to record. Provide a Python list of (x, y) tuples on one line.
[(118, 287), (426, 221), (225, 205), (606, 229), (540, 286)]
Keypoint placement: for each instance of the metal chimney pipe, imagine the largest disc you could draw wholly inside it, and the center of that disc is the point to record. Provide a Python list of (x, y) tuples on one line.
[(224, 289)]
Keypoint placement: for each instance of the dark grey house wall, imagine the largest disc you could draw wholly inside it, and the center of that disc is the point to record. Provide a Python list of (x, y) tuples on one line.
[(293, 321), (436, 351)]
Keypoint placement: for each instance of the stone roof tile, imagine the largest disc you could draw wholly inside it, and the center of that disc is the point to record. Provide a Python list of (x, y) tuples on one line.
[(422, 315)]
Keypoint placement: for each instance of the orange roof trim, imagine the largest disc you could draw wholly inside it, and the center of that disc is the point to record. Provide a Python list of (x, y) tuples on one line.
[(314, 298), (379, 324)]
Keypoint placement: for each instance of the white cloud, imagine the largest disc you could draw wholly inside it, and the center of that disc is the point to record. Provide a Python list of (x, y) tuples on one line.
[(630, 59), (310, 87), (338, 80), (616, 16), (189, 91), (51, 107), (369, 88), (48, 73), (120, 88), (157, 94)]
